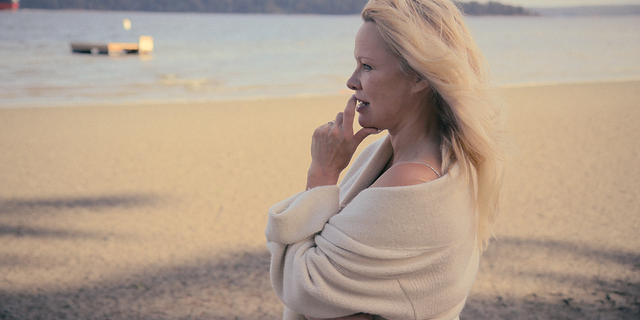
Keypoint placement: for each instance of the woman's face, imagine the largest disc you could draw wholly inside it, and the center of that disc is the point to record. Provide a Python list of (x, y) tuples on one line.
[(388, 98)]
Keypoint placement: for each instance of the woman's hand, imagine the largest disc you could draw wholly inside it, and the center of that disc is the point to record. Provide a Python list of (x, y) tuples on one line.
[(359, 316), (332, 147)]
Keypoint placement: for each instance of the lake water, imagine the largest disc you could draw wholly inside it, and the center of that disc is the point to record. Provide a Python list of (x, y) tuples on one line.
[(213, 57)]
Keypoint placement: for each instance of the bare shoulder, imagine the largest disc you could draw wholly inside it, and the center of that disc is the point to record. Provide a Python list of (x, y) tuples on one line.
[(405, 174)]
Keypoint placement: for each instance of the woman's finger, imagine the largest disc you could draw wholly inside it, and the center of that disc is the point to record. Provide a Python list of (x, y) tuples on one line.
[(363, 133), (339, 118), (349, 114)]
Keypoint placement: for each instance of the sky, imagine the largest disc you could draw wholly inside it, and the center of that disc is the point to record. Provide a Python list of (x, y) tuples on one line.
[(562, 3)]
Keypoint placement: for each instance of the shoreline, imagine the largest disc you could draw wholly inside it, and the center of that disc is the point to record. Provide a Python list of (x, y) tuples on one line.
[(298, 96), (562, 83)]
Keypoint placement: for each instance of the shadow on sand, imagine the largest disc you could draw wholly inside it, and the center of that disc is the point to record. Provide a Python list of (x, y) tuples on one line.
[(238, 287), (23, 206), (570, 293), (235, 286)]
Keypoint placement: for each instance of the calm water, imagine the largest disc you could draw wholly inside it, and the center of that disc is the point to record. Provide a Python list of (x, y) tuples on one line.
[(210, 57)]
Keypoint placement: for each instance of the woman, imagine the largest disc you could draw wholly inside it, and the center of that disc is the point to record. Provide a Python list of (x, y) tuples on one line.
[(401, 236)]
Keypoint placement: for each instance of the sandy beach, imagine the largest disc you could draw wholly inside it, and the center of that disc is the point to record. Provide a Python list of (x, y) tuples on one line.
[(159, 211)]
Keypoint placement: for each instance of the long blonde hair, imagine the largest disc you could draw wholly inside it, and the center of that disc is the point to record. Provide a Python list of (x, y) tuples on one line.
[(433, 42)]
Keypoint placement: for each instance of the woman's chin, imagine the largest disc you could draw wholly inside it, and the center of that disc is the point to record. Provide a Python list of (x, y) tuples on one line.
[(366, 124), (362, 122)]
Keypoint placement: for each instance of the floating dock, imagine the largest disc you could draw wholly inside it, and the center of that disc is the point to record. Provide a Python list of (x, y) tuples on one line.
[(144, 46)]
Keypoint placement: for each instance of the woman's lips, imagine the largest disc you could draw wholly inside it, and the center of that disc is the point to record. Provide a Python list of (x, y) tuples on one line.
[(361, 105)]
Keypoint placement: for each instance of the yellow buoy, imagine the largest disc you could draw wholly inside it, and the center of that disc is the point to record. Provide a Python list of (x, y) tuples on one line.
[(126, 24)]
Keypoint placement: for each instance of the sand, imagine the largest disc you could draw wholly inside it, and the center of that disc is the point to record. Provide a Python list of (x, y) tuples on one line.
[(158, 211)]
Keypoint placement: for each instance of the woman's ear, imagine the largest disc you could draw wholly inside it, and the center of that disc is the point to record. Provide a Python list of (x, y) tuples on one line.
[(420, 85)]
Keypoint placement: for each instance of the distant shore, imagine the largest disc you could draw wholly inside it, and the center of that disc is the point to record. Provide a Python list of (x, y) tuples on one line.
[(472, 10), (612, 10), (343, 7)]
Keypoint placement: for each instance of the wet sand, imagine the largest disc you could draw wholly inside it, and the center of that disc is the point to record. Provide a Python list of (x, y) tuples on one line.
[(158, 211)]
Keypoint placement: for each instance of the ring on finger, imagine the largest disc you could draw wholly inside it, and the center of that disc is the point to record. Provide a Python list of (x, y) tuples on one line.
[(331, 122)]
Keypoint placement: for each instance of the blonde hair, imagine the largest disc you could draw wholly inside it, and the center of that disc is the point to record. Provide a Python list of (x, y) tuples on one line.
[(433, 42)]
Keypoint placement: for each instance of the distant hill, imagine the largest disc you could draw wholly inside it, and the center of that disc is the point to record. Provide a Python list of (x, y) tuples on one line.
[(217, 6), (591, 11), (493, 8), (252, 6)]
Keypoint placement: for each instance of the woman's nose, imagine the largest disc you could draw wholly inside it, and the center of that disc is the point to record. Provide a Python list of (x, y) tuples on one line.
[(353, 82)]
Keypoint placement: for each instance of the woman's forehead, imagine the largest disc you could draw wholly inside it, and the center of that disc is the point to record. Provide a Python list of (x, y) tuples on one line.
[(369, 43)]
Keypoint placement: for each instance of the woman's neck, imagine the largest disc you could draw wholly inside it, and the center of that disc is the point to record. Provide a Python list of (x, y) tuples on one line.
[(419, 140)]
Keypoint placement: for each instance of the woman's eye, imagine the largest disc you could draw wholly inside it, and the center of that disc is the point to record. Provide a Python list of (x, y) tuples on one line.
[(366, 67)]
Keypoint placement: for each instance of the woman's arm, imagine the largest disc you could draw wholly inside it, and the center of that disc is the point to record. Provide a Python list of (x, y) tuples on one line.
[(332, 147)]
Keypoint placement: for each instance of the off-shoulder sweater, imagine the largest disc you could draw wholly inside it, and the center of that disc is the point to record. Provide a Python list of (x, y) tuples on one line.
[(396, 252)]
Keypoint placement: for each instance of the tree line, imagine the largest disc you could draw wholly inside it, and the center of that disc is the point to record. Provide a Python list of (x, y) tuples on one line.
[(218, 6), (492, 8), (250, 6)]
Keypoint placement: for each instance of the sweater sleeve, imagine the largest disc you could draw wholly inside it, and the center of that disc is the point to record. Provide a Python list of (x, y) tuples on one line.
[(298, 267), (302, 215), (373, 257)]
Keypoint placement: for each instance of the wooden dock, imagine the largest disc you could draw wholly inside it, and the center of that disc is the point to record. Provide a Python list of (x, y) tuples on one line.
[(144, 46)]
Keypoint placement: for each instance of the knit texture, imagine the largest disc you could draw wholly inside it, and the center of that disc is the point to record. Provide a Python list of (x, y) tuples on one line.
[(398, 252)]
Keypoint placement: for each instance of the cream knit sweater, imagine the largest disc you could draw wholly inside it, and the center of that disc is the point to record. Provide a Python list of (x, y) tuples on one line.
[(399, 252)]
